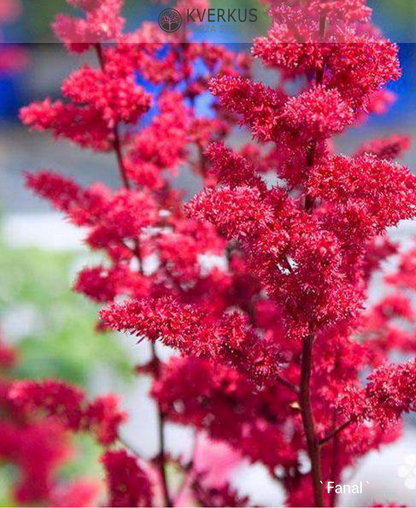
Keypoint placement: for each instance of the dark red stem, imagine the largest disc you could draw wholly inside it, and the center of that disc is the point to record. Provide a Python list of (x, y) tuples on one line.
[(335, 433), (162, 444), (287, 384), (160, 416), (119, 155), (334, 471), (308, 421), (305, 402)]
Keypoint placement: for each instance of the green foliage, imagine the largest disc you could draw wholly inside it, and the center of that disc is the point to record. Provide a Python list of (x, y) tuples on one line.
[(86, 463), (55, 330), (9, 475), (55, 327)]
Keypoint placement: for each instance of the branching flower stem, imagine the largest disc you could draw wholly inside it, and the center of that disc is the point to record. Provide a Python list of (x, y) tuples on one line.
[(161, 456), (308, 421), (334, 433), (307, 350)]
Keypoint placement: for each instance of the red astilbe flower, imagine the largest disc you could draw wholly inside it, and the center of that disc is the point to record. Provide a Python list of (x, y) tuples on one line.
[(112, 217), (224, 403), (306, 238), (389, 326), (241, 94), (231, 169), (51, 396), (104, 285), (128, 484), (82, 125), (271, 231), (390, 148), (117, 100), (99, 101), (367, 194), (103, 418), (390, 393), (228, 339), (404, 277), (319, 112), (38, 448), (102, 23), (144, 219), (68, 405), (149, 154)]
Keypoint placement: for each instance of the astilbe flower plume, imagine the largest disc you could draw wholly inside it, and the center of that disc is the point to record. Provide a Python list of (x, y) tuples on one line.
[(260, 283), (128, 483), (38, 447), (67, 404)]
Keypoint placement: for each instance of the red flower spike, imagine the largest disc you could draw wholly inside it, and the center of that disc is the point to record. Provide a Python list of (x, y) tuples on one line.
[(128, 484), (69, 407)]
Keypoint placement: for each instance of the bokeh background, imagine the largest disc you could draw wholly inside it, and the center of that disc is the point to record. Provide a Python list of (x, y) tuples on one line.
[(40, 253)]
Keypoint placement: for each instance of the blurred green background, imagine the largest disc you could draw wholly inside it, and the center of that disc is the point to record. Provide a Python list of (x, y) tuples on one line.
[(53, 326), (53, 331)]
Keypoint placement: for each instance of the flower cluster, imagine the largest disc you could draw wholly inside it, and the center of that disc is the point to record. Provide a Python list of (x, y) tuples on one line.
[(260, 280), (46, 412), (102, 23), (389, 393), (228, 338), (227, 405), (128, 484), (38, 447), (67, 404)]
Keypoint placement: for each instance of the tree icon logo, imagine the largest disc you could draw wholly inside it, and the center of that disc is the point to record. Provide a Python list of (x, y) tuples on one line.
[(170, 20)]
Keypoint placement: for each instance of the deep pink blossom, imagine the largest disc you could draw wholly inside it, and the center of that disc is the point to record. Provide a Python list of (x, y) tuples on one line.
[(319, 112), (101, 24), (379, 194), (117, 100), (67, 404), (128, 483), (389, 393), (82, 125), (228, 339), (390, 148)]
